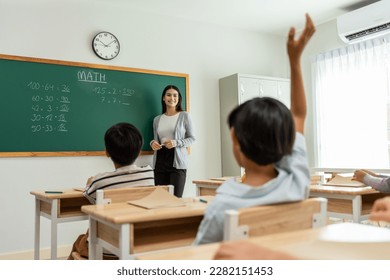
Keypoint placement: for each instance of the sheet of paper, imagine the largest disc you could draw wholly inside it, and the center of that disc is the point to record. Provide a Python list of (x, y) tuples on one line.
[(351, 232), (159, 198), (344, 181)]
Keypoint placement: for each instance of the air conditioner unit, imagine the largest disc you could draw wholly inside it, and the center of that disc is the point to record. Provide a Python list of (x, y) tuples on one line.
[(365, 23)]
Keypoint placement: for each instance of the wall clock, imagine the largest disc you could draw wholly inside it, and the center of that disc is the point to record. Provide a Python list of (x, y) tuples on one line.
[(105, 45)]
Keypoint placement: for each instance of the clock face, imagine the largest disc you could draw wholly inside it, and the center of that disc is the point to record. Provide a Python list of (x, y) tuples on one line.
[(105, 45)]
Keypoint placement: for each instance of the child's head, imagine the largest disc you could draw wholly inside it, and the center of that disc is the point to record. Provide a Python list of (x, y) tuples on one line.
[(264, 129), (123, 143)]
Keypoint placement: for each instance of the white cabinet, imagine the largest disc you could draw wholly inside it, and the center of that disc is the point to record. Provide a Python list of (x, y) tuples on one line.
[(236, 89)]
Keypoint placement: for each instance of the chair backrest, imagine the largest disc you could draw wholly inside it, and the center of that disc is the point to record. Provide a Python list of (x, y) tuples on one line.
[(107, 196), (268, 219)]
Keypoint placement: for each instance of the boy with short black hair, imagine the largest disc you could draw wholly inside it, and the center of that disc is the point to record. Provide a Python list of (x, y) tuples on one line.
[(123, 143), (268, 142)]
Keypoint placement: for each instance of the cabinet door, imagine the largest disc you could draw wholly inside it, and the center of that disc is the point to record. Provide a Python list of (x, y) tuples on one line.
[(248, 88), (279, 90), (268, 88)]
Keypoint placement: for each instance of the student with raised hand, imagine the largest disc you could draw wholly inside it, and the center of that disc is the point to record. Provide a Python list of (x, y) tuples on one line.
[(268, 142), (379, 182), (172, 134)]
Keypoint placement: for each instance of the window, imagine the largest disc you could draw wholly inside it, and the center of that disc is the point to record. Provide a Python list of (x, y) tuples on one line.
[(352, 111)]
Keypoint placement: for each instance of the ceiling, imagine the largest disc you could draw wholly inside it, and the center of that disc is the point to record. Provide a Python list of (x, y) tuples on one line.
[(270, 16)]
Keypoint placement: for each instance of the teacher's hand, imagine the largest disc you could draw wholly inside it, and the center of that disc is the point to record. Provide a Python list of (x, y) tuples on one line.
[(169, 144), (155, 146)]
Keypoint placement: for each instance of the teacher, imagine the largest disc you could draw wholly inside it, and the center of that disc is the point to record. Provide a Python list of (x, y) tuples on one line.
[(172, 134)]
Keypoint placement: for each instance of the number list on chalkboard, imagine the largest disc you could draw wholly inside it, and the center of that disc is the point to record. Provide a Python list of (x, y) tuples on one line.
[(53, 107)]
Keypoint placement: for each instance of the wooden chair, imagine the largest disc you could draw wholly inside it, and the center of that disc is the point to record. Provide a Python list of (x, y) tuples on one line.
[(109, 196), (268, 219)]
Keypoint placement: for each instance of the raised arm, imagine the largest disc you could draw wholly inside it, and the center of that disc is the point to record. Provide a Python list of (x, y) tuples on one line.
[(295, 49)]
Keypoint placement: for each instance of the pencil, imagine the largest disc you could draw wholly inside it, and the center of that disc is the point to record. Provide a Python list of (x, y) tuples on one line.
[(54, 192)]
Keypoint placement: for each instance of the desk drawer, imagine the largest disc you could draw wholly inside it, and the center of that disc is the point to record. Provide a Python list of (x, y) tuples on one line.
[(155, 235), (67, 207)]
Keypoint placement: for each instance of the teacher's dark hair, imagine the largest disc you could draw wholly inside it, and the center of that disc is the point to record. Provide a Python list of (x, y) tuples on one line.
[(123, 143), (164, 106), (264, 128)]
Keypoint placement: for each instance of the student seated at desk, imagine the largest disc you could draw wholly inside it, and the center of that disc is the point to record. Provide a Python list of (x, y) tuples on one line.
[(379, 182), (268, 142), (123, 143)]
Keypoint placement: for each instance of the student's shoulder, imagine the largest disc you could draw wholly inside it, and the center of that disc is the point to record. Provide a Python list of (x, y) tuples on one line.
[(135, 168), (101, 175), (230, 190)]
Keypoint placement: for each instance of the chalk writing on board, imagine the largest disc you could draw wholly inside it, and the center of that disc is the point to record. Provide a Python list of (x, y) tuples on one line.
[(114, 95), (91, 77), (50, 105)]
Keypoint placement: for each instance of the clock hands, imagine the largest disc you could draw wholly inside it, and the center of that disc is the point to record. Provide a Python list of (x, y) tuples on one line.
[(110, 43), (106, 45)]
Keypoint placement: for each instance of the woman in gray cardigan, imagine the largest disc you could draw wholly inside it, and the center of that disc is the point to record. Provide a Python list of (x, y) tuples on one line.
[(172, 133)]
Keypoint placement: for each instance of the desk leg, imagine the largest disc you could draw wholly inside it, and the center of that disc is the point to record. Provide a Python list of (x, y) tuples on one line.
[(37, 233), (54, 226), (94, 253), (124, 242), (197, 190), (357, 208)]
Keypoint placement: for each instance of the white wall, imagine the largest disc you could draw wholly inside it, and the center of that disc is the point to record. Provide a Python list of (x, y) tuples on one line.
[(63, 30)]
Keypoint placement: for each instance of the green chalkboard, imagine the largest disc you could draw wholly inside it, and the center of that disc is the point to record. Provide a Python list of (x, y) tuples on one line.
[(54, 108)]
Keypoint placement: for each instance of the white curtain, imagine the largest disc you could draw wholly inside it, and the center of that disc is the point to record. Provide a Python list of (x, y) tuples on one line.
[(351, 88)]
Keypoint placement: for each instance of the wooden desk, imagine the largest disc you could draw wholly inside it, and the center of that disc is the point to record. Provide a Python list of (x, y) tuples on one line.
[(58, 208), (343, 202), (126, 229), (347, 202), (303, 244), (207, 187)]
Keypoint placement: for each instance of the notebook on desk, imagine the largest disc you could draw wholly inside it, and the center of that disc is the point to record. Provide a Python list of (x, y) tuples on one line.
[(344, 181), (159, 198)]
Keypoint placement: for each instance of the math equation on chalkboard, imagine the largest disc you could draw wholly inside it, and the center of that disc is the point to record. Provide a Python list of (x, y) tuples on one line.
[(112, 95), (50, 104)]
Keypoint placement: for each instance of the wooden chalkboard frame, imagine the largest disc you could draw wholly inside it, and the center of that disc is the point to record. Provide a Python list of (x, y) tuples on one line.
[(93, 66)]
